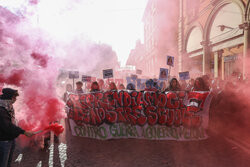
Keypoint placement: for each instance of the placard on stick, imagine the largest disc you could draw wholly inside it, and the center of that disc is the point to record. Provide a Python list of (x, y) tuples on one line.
[(163, 74), (108, 73), (86, 78), (170, 61), (130, 80), (184, 75), (73, 74)]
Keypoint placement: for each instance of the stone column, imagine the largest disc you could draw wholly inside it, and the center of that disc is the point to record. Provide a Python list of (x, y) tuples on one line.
[(206, 57), (246, 49), (181, 36), (222, 68), (216, 56)]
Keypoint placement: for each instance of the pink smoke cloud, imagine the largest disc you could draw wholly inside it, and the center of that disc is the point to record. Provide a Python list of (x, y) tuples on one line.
[(31, 61)]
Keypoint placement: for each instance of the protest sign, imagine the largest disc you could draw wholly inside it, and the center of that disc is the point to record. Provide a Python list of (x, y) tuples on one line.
[(86, 78), (163, 74), (73, 74), (184, 75), (143, 115), (130, 80), (170, 61), (108, 73)]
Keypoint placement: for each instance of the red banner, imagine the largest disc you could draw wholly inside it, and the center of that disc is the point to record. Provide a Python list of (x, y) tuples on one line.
[(138, 108)]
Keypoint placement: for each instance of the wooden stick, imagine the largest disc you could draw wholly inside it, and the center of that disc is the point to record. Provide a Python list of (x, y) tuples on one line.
[(40, 131)]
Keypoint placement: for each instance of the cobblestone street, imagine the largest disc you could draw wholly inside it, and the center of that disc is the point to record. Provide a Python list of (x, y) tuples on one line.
[(84, 152)]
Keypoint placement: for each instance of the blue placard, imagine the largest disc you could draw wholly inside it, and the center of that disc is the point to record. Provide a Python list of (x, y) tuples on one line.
[(130, 80), (184, 75), (170, 61), (163, 74)]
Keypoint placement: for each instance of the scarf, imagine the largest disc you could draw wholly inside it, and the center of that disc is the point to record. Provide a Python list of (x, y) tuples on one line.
[(7, 104)]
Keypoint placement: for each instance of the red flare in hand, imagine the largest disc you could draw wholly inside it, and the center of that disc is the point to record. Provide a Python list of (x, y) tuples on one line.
[(56, 128)]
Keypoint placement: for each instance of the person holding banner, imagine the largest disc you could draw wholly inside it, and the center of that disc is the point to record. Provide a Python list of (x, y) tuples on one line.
[(156, 86), (131, 87), (150, 85), (163, 86), (190, 84), (183, 84), (95, 87), (206, 80), (79, 89), (121, 87), (112, 87), (8, 130), (101, 84), (173, 85), (200, 85)]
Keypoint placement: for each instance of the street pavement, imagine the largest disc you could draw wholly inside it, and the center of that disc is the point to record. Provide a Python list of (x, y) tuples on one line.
[(216, 151)]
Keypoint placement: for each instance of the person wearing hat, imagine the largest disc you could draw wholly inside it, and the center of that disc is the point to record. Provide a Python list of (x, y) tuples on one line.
[(8, 130)]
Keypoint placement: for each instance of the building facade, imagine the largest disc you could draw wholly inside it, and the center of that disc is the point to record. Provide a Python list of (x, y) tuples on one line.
[(160, 36), (136, 57), (214, 37)]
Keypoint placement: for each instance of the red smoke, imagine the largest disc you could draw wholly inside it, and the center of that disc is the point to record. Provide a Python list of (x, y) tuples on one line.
[(41, 105), (40, 109), (40, 59), (35, 75), (14, 78), (38, 104)]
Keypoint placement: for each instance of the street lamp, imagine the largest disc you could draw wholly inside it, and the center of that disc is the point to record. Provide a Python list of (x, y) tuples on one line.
[(222, 27)]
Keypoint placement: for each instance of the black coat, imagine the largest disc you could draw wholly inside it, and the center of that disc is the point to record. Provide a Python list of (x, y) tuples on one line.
[(8, 130)]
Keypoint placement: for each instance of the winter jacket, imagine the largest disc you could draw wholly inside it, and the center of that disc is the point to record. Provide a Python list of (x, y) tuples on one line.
[(8, 130)]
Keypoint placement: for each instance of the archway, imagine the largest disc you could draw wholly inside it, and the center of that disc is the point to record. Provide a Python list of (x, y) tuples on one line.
[(193, 48), (225, 38), (194, 40), (226, 23)]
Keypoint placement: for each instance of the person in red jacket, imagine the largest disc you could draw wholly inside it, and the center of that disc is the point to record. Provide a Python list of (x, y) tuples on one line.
[(8, 129)]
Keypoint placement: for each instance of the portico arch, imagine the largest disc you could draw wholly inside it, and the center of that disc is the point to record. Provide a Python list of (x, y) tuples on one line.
[(193, 39), (216, 10), (222, 32)]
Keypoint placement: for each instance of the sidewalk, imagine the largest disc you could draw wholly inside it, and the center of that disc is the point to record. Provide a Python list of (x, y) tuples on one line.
[(238, 136)]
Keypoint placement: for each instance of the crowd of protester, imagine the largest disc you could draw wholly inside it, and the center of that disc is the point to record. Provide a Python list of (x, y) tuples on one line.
[(229, 97), (203, 83)]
